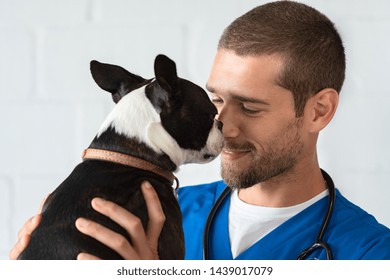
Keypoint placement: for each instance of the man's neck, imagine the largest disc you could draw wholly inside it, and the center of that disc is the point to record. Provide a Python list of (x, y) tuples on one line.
[(290, 188)]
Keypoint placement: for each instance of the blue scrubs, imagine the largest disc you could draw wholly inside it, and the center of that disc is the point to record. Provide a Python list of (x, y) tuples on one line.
[(352, 233)]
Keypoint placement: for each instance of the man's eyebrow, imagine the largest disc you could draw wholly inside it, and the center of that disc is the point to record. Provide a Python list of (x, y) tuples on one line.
[(246, 99), (240, 97)]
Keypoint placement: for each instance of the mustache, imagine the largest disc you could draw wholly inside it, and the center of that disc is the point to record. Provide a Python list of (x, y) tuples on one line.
[(228, 145)]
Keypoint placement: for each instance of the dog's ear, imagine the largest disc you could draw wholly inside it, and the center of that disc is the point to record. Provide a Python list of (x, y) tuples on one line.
[(114, 79), (165, 72)]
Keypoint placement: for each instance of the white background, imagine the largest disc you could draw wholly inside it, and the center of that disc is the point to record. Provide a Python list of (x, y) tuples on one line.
[(50, 108)]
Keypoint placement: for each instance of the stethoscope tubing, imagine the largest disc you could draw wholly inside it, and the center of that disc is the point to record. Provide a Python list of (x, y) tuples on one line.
[(319, 240), (210, 219), (319, 243)]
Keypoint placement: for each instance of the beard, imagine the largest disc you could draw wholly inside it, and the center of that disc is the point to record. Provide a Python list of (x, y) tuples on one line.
[(279, 155)]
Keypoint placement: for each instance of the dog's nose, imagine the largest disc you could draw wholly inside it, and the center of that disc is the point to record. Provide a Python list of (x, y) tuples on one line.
[(219, 124), (208, 156)]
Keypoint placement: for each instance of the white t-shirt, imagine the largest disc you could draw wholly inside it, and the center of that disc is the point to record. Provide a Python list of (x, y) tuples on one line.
[(249, 223)]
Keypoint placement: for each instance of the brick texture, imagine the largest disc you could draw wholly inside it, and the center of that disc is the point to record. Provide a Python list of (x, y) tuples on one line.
[(50, 108)]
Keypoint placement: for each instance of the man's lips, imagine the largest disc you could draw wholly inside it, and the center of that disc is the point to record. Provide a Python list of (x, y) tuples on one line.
[(234, 153)]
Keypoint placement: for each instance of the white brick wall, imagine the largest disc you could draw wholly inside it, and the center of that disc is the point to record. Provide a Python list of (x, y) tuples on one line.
[(50, 108)]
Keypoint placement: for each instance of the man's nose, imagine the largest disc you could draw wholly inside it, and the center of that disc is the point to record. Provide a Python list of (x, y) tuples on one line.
[(229, 121)]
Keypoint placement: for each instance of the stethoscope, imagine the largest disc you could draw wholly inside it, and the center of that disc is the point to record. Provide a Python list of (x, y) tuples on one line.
[(319, 242)]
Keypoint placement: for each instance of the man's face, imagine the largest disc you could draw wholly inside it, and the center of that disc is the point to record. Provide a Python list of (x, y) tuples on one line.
[(262, 134)]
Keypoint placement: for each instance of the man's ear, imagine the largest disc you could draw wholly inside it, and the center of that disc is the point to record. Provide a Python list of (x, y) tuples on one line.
[(320, 109)]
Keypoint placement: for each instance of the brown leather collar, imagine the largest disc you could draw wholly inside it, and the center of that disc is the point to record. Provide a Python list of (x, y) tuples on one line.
[(129, 161)]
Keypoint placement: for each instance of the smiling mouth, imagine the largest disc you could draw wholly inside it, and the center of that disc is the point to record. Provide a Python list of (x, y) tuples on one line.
[(233, 155), (232, 152)]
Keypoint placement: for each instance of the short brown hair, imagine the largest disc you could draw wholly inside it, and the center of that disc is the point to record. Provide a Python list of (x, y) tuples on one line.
[(308, 42)]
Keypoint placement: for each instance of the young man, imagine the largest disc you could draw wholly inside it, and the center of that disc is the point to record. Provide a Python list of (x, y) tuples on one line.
[(275, 81)]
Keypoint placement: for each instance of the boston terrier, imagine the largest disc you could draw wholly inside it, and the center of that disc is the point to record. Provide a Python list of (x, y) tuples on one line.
[(156, 125)]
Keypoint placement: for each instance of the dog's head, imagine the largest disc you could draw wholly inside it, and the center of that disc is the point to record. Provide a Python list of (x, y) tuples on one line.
[(169, 114)]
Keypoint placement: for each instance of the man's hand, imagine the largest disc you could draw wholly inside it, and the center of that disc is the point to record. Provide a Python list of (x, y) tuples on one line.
[(24, 234), (143, 244)]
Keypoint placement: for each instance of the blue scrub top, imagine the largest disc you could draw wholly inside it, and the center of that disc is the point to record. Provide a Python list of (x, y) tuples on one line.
[(352, 233)]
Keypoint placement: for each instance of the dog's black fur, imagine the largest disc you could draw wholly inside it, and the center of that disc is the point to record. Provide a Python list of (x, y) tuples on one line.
[(186, 114)]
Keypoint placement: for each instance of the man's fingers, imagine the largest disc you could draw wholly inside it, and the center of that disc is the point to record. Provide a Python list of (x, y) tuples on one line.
[(19, 247), (155, 213), (86, 256), (42, 203), (131, 223), (29, 226), (143, 246), (106, 236), (24, 234)]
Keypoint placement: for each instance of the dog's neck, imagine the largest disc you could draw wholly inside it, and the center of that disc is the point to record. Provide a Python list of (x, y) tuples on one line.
[(110, 140), (123, 159)]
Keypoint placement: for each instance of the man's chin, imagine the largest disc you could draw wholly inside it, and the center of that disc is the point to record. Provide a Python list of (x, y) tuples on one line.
[(235, 179)]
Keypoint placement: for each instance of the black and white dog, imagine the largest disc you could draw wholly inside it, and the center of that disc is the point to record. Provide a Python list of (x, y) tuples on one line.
[(156, 126)]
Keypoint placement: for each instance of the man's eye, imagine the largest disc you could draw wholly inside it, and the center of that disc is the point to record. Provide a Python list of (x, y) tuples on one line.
[(248, 110), (217, 100)]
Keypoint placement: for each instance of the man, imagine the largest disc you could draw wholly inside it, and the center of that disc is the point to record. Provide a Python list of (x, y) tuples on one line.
[(275, 81)]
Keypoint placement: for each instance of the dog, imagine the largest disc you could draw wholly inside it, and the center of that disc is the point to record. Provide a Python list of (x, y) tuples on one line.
[(156, 125)]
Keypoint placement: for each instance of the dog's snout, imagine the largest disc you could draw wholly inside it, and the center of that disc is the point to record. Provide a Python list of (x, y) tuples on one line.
[(219, 124)]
